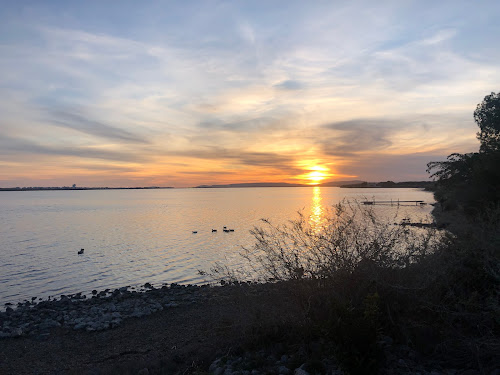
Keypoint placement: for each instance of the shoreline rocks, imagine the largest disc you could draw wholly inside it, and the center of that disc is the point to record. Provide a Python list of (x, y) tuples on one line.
[(103, 310)]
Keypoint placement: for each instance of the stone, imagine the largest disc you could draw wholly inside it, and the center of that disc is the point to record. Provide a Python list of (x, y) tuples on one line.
[(79, 326), (386, 340), (214, 365), (470, 372), (16, 332), (299, 371), (283, 370)]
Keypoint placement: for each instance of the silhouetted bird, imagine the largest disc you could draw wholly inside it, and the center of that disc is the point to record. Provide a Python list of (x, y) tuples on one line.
[(80, 252), (214, 230)]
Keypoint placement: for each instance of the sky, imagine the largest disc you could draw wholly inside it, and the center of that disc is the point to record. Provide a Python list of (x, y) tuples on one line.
[(184, 93)]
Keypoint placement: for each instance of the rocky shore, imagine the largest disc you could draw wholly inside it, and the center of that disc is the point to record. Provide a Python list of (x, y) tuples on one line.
[(103, 310), (240, 329)]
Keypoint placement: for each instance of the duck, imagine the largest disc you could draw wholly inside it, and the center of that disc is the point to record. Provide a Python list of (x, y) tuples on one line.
[(81, 252), (214, 230), (195, 231)]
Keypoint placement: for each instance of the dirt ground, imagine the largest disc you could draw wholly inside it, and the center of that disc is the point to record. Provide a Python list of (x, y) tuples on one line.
[(170, 341)]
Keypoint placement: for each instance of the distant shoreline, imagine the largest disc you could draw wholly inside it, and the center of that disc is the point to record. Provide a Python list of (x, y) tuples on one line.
[(428, 185), (81, 188), (276, 184)]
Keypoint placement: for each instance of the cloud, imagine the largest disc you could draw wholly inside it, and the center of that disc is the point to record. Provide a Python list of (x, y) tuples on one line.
[(241, 158), (239, 86), (290, 85), (15, 148), (350, 137), (381, 167), (76, 121)]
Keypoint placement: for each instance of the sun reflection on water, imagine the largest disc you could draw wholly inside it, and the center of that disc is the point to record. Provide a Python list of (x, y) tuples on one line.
[(317, 219)]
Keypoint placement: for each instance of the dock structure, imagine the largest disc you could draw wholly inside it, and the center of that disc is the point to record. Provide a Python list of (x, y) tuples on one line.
[(394, 203)]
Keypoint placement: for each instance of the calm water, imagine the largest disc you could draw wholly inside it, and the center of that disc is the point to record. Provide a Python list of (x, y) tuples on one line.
[(136, 236)]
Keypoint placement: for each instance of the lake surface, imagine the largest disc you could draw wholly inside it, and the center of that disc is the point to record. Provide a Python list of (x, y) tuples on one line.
[(135, 236)]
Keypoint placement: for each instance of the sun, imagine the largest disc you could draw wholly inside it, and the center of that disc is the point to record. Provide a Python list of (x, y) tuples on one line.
[(315, 175), (314, 171)]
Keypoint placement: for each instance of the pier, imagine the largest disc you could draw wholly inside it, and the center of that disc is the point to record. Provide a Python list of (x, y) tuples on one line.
[(395, 203)]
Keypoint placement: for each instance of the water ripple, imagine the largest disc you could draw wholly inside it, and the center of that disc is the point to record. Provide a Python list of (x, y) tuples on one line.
[(137, 236)]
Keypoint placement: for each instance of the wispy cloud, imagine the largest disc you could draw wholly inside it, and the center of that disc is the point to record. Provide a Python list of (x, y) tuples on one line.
[(76, 121), (220, 88), (14, 148)]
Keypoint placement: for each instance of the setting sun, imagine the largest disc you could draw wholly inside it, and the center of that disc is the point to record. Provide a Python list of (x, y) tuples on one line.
[(315, 173), (316, 177)]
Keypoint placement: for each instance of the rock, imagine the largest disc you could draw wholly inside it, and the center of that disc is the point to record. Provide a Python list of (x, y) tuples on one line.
[(4, 334), (299, 371), (214, 365), (79, 326), (16, 332), (283, 370), (470, 372), (386, 340)]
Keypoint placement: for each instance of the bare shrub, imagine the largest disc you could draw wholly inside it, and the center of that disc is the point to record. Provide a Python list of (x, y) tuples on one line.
[(350, 236)]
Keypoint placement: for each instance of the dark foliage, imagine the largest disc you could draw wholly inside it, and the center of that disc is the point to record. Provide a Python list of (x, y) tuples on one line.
[(471, 182), (487, 117)]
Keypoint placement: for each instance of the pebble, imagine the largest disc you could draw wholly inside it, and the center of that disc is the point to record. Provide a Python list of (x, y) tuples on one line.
[(299, 371), (106, 309)]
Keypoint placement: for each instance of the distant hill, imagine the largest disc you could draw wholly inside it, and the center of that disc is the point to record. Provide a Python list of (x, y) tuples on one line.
[(340, 183), (428, 185), (38, 188), (251, 184), (276, 184)]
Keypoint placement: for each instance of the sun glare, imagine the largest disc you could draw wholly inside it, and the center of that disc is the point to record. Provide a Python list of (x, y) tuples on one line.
[(316, 175), (315, 172)]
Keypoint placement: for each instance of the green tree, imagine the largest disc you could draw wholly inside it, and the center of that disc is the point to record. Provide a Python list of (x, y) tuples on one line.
[(487, 117)]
